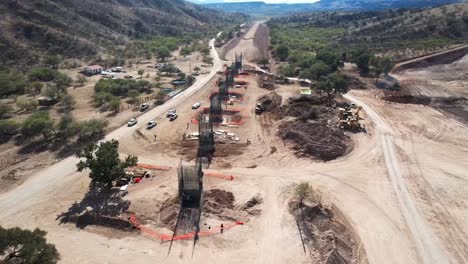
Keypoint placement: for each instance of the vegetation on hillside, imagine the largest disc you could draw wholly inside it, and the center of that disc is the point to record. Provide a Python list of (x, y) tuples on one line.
[(35, 29), (397, 33)]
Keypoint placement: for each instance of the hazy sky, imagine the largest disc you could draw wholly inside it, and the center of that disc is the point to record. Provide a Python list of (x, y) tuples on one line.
[(266, 1)]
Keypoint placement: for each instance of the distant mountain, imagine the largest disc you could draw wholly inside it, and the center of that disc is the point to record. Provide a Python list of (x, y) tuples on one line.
[(264, 9), (75, 28)]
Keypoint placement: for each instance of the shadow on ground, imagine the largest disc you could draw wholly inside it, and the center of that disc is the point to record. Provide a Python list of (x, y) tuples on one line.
[(100, 206)]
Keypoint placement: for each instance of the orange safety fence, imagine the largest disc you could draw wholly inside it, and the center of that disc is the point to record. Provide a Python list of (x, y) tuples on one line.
[(218, 175), (165, 237), (153, 167)]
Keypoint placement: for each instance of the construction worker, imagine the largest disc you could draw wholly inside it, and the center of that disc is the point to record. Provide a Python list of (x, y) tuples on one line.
[(155, 138), (222, 228)]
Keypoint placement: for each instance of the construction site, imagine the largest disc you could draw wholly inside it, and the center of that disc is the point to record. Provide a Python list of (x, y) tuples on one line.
[(217, 184)]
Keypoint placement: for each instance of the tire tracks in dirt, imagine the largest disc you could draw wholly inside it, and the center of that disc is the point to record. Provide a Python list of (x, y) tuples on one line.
[(426, 242)]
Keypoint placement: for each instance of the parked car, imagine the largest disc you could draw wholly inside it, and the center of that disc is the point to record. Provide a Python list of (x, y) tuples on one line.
[(144, 107), (173, 117), (196, 106), (151, 124), (132, 122), (171, 112)]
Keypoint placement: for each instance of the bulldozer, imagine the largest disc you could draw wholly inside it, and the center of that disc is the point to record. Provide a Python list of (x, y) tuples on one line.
[(349, 120)]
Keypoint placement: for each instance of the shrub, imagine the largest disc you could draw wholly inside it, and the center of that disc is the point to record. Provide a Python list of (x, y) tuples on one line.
[(27, 105), (8, 127)]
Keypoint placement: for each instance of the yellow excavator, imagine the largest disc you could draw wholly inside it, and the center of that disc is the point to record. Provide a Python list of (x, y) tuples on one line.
[(349, 120)]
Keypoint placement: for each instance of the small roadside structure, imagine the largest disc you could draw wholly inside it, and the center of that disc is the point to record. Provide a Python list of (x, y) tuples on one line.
[(388, 82), (47, 101), (93, 70)]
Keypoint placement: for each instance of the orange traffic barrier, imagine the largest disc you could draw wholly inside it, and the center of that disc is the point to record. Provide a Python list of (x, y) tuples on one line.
[(218, 175), (165, 237), (153, 167)]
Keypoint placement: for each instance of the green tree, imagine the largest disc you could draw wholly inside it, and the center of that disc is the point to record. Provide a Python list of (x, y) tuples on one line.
[(287, 70), (185, 51), (205, 51), (35, 88), (207, 60), (27, 105), (4, 110), (361, 58), (11, 83), (81, 80), (62, 81), (465, 17), (141, 72), (190, 80), (104, 162), (50, 91), (282, 52), (67, 127), (114, 104), (133, 94), (329, 57), (38, 123), (52, 61), (163, 53), (25, 246), (264, 62), (68, 103), (380, 65), (91, 129), (333, 84), (196, 69), (303, 191), (319, 69), (8, 128)]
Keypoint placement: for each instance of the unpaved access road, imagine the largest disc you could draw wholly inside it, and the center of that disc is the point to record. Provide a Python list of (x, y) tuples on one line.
[(402, 188), (426, 244), (20, 198)]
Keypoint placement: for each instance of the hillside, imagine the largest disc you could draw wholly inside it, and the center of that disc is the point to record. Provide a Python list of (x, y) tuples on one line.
[(264, 9), (31, 28), (400, 34)]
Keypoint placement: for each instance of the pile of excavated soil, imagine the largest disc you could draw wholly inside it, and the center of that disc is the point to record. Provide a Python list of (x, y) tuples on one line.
[(313, 132), (271, 102), (217, 204), (327, 234)]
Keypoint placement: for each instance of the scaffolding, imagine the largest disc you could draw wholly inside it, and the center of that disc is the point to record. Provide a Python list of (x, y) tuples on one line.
[(238, 63), (206, 144), (190, 185), (216, 109)]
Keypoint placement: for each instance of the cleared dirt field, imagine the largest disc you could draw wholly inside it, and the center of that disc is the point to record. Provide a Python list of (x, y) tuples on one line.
[(400, 190), (253, 45)]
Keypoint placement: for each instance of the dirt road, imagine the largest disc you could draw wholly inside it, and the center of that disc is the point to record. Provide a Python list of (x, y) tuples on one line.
[(253, 46), (401, 188), (426, 243), (45, 180)]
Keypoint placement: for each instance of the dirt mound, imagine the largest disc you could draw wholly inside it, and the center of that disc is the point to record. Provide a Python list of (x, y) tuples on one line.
[(216, 204), (215, 201), (327, 234), (313, 131), (271, 102)]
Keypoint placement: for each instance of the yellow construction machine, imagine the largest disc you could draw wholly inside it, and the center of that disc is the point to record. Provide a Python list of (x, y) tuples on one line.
[(349, 120)]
